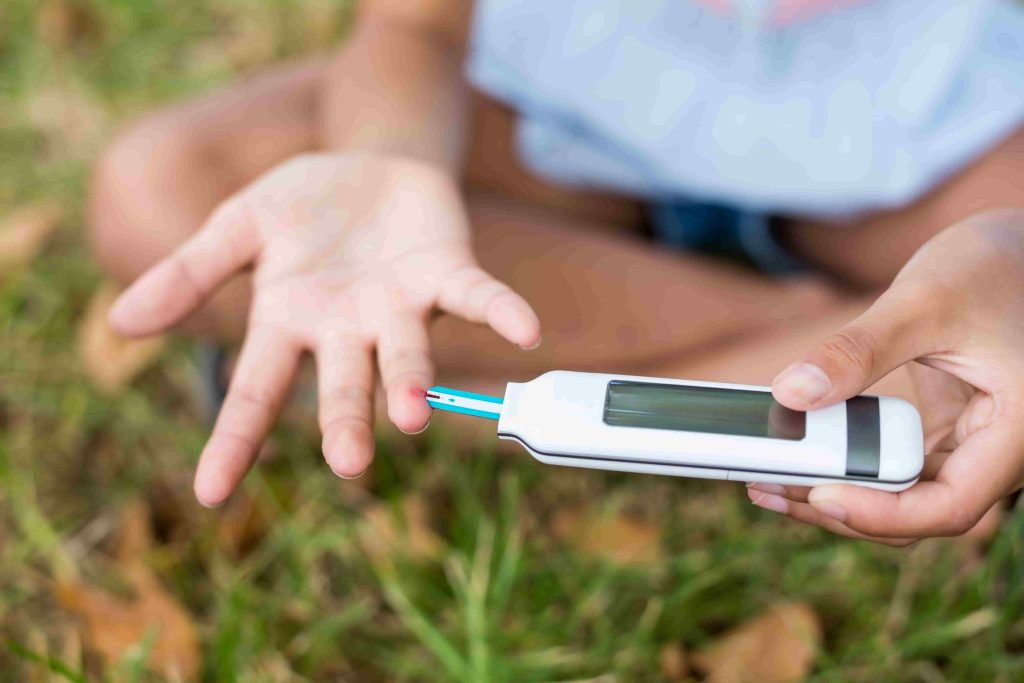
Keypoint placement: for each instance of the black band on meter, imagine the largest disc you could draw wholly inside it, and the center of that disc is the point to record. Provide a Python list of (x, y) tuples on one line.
[(863, 436)]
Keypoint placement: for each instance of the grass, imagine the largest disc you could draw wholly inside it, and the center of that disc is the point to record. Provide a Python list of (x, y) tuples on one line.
[(298, 597)]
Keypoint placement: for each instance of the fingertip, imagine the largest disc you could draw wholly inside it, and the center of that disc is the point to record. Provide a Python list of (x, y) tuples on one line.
[(349, 451), (775, 489), (768, 501), (515, 320), (117, 312), (345, 468), (143, 307), (210, 493), (222, 464), (533, 344), (825, 492), (122, 316), (410, 421), (801, 386), (408, 409), (830, 499)]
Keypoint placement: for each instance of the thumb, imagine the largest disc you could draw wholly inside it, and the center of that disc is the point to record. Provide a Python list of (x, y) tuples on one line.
[(179, 284), (895, 330)]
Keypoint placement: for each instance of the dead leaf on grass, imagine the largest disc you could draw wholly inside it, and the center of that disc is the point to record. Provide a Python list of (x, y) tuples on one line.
[(385, 534), (242, 524), (110, 360), (24, 233), (779, 646), (68, 23), (614, 537), (113, 625)]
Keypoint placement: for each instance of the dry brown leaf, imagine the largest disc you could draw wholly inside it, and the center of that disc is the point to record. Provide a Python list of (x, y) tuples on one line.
[(242, 525), (778, 646), (385, 535), (113, 625), (65, 23), (613, 537), (110, 360), (24, 233)]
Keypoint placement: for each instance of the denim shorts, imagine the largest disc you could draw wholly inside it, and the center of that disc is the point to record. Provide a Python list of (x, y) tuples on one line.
[(727, 232)]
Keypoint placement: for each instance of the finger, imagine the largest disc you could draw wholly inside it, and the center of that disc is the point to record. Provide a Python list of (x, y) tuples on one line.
[(471, 293), (942, 398), (403, 353), (345, 387), (794, 493), (802, 512), (179, 284), (934, 461), (262, 377), (799, 494), (970, 481), (895, 330)]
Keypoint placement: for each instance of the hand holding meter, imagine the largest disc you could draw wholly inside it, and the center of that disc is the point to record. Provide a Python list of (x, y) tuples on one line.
[(701, 429)]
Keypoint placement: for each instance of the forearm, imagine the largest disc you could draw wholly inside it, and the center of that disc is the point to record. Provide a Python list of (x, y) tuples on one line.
[(870, 252), (396, 87)]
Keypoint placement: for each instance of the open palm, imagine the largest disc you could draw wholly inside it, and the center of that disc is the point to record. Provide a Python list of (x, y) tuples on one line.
[(351, 255)]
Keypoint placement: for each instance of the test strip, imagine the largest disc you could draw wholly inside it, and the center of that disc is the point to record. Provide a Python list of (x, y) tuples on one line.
[(478, 405)]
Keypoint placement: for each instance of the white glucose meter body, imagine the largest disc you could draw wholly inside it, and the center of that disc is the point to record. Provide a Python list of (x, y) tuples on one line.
[(706, 430)]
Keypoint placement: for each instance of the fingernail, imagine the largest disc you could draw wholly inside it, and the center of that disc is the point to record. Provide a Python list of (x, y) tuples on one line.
[(770, 502), (804, 381), (530, 348), (776, 489), (418, 431), (821, 501)]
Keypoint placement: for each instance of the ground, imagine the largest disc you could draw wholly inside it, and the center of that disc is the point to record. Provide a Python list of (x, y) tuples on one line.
[(442, 564)]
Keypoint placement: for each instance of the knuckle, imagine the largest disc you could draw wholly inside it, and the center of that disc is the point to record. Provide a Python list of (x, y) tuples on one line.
[(252, 396), (853, 346), (351, 424), (407, 357), (501, 295), (246, 442), (349, 397)]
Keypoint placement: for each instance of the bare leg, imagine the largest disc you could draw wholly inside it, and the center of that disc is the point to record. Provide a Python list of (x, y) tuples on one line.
[(872, 251)]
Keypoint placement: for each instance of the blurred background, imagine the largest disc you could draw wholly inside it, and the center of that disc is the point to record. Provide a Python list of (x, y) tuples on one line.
[(442, 563)]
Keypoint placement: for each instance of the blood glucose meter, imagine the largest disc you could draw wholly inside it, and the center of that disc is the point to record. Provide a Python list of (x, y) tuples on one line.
[(707, 430)]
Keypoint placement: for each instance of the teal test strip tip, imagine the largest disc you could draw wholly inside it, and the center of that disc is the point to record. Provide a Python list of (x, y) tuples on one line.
[(477, 405)]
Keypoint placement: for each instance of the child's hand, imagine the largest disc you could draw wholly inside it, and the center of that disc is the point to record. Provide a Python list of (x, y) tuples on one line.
[(351, 254), (957, 308)]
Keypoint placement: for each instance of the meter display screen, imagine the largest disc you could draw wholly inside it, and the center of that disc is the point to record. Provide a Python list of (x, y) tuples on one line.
[(712, 410)]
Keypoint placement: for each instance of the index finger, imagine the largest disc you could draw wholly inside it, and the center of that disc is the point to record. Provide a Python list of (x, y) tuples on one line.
[(471, 293)]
